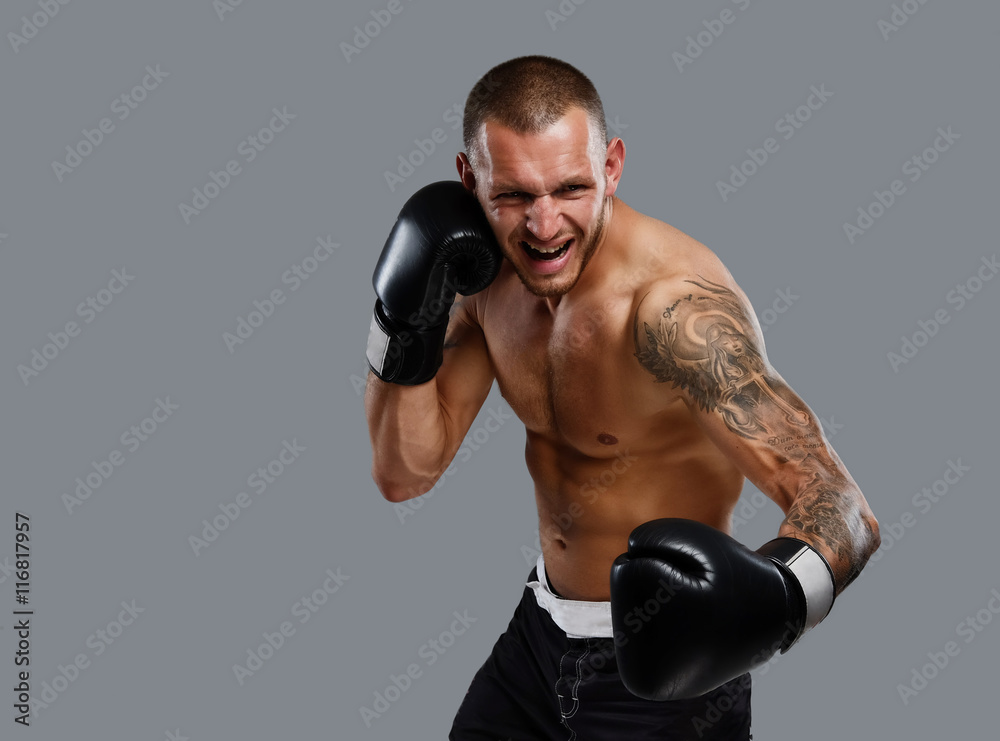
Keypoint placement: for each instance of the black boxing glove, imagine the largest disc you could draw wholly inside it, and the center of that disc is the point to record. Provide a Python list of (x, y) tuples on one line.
[(440, 245), (692, 608)]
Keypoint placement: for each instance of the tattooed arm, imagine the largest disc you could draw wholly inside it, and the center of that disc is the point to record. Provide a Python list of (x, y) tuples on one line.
[(702, 337)]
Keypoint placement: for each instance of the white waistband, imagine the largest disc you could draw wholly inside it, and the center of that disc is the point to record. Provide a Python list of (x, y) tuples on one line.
[(578, 618)]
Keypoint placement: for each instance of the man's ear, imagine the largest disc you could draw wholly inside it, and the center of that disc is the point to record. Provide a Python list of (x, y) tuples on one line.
[(465, 172), (614, 163)]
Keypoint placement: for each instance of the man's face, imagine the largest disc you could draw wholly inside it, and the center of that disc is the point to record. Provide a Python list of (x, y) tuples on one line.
[(732, 344), (544, 195)]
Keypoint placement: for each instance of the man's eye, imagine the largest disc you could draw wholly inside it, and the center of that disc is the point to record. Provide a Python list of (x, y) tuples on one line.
[(513, 194)]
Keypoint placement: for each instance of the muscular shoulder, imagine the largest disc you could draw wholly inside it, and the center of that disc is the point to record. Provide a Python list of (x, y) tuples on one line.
[(694, 328), (702, 292), (674, 266)]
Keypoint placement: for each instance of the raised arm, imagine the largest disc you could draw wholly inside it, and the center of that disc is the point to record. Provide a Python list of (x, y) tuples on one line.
[(701, 335), (430, 372), (417, 430)]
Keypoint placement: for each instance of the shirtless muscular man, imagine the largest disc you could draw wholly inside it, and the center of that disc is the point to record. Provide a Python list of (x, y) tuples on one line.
[(610, 334)]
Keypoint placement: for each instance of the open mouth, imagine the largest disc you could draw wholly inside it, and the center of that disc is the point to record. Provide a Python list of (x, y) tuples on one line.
[(546, 254)]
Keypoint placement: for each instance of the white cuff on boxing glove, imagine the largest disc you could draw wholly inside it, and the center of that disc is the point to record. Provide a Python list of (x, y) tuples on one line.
[(810, 572)]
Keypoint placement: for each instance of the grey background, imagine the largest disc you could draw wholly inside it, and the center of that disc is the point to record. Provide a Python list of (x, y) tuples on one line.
[(170, 673)]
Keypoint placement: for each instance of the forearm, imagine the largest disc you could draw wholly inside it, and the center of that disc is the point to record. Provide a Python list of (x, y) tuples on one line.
[(409, 437), (830, 514)]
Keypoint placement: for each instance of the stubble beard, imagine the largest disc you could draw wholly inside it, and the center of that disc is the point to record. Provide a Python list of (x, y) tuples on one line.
[(549, 288)]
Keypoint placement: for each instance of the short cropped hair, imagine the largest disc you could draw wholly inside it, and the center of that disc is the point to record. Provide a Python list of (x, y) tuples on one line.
[(529, 94)]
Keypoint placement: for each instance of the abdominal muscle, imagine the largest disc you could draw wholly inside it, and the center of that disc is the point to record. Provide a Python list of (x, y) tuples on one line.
[(589, 503)]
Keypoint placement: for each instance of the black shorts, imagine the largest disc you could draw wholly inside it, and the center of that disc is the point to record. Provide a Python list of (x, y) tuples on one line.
[(540, 685)]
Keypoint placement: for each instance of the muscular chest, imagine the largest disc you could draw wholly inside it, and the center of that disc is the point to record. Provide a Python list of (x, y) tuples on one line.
[(569, 374)]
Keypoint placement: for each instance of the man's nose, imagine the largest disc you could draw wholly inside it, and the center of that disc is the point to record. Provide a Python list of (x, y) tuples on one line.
[(543, 218)]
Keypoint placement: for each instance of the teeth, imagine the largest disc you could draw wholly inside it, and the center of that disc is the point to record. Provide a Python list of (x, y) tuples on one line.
[(549, 250)]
